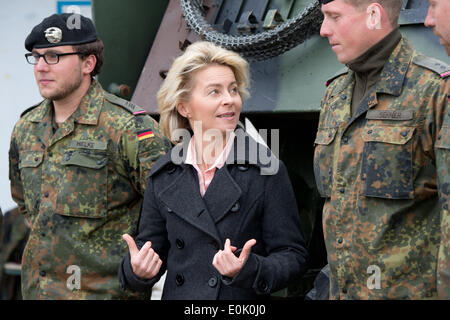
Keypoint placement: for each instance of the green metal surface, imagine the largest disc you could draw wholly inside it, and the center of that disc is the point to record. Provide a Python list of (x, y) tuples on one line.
[(127, 29)]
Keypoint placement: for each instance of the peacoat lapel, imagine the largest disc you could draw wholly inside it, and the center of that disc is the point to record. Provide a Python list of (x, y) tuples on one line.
[(222, 194), (182, 198)]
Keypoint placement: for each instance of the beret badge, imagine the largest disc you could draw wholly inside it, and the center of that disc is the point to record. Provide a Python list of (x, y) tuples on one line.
[(53, 35)]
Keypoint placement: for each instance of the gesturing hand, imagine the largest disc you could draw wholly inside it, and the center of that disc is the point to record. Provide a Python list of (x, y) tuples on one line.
[(227, 263), (145, 262)]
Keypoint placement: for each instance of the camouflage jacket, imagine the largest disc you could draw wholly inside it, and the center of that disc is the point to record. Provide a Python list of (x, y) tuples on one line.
[(442, 149), (81, 188), (377, 171)]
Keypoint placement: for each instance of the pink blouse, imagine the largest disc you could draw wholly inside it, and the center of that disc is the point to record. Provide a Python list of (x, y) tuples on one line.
[(205, 178)]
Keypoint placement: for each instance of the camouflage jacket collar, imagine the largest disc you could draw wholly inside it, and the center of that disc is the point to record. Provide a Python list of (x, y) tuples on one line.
[(87, 112), (394, 72)]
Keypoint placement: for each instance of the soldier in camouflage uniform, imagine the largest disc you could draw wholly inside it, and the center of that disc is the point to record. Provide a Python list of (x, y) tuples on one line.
[(375, 160), (79, 162), (438, 19)]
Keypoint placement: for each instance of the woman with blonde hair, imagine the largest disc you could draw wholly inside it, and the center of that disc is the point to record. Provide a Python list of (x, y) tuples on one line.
[(219, 217)]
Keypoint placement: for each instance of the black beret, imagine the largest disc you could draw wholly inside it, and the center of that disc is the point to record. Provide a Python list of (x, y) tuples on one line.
[(61, 30)]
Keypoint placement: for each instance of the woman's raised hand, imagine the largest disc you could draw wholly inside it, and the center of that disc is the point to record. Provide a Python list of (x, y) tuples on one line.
[(145, 262)]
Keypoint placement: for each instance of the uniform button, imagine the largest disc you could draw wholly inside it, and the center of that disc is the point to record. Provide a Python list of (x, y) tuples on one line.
[(344, 291), (369, 132), (212, 282), (179, 279), (345, 140), (42, 273), (42, 146), (46, 195), (179, 243), (340, 240), (243, 168), (343, 97), (342, 190), (50, 154), (404, 133), (99, 162), (67, 157), (36, 159), (235, 207), (169, 210)]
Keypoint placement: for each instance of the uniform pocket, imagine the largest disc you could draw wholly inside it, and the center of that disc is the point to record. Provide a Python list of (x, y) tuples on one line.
[(387, 170), (83, 190), (31, 175), (323, 160)]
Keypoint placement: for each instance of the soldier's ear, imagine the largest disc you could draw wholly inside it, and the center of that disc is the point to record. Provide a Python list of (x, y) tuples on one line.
[(89, 64), (374, 12)]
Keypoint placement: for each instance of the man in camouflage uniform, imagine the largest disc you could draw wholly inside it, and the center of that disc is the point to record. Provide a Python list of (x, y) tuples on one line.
[(438, 19), (375, 161), (79, 162)]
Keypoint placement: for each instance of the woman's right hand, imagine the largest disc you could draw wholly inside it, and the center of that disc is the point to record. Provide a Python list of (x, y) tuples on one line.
[(145, 262)]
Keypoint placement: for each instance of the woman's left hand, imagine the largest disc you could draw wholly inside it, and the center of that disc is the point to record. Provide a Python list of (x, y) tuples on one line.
[(227, 263)]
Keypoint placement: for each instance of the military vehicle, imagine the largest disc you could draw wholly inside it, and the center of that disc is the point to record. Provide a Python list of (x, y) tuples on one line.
[(289, 64)]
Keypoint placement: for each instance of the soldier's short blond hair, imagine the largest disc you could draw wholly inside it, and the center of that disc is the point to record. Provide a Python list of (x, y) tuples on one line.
[(178, 83), (393, 8)]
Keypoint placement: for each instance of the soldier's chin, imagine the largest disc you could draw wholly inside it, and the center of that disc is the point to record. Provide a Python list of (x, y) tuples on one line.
[(55, 96)]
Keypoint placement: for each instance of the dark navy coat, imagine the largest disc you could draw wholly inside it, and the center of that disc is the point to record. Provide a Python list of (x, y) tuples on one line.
[(246, 199)]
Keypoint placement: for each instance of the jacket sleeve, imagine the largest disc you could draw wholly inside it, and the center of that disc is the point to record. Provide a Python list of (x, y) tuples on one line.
[(141, 145), (283, 240), (442, 152), (152, 227), (14, 175)]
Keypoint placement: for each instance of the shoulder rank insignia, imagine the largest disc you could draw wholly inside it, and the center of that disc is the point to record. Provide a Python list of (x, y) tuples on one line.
[(144, 134), (433, 64), (134, 109), (30, 108), (338, 74)]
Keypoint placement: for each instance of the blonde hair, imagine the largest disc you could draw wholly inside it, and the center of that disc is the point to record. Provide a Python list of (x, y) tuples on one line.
[(178, 83)]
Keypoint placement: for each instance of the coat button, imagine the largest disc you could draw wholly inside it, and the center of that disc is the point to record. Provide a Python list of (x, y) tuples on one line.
[(235, 207), (212, 282), (243, 168), (179, 279), (179, 243), (42, 273), (171, 169), (262, 285), (340, 240), (215, 244)]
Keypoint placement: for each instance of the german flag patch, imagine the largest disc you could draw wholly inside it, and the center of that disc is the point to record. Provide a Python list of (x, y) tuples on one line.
[(145, 134)]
